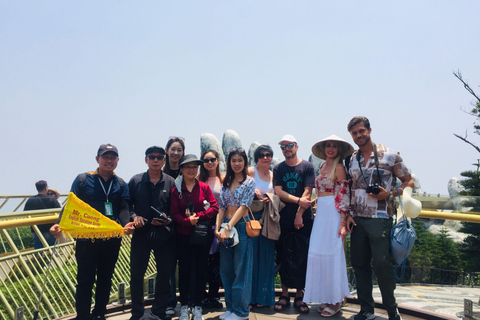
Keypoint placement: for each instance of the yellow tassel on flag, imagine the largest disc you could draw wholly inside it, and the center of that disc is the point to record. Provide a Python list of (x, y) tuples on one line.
[(82, 221)]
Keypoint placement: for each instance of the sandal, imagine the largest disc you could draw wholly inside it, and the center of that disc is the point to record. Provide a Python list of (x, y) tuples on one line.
[(301, 305), (259, 306), (250, 306), (321, 307), (327, 312), (282, 305)]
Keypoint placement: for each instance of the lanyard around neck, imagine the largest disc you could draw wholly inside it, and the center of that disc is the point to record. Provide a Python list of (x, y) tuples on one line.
[(375, 156), (109, 188)]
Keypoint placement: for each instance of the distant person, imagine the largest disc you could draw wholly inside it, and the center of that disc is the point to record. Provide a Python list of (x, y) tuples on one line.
[(54, 193), (107, 193), (39, 202), (373, 169), (326, 257), (293, 180), (150, 196)]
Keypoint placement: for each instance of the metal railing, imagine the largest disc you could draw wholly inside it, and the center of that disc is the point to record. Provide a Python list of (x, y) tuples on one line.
[(23, 268)]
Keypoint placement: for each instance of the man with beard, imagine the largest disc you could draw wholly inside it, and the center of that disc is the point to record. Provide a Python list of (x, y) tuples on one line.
[(293, 180), (373, 169)]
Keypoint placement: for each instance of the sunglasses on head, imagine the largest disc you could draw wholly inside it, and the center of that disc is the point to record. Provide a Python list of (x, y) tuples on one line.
[(174, 138), (152, 157), (239, 150), (289, 146), (207, 160), (265, 155)]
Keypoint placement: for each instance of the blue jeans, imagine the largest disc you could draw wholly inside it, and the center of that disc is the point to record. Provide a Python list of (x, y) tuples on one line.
[(263, 265), (236, 272)]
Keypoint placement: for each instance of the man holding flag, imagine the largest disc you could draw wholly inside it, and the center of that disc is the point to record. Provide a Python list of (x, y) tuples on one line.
[(97, 253)]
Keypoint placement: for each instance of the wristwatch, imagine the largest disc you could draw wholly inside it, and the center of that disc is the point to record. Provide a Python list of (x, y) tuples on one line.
[(228, 227)]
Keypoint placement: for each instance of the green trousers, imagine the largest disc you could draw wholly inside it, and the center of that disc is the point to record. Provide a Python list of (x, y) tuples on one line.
[(370, 246)]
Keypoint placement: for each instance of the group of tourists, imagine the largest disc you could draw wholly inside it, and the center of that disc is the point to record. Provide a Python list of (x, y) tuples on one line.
[(185, 210)]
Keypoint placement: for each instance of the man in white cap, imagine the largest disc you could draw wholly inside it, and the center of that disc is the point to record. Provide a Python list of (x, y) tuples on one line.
[(373, 169), (293, 180)]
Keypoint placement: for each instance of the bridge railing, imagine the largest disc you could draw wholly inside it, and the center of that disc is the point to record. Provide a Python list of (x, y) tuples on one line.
[(23, 268)]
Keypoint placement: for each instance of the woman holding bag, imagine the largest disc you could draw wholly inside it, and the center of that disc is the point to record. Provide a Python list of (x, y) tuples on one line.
[(326, 280), (236, 261), (192, 202), (263, 285)]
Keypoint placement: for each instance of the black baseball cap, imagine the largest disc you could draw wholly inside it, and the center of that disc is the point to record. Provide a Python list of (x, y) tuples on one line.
[(155, 149), (104, 148)]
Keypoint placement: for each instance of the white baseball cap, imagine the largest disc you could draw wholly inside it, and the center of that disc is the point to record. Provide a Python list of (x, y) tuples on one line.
[(288, 138)]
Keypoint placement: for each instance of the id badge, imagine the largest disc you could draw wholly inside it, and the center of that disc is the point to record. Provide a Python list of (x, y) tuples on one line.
[(108, 209)]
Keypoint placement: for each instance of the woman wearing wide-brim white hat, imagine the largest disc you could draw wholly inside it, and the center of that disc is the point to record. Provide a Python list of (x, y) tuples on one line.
[(326, 258)]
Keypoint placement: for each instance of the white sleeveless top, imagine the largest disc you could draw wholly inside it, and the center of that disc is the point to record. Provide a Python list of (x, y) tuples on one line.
[(261, 185)]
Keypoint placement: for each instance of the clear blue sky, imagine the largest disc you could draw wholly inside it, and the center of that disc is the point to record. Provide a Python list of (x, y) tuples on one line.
[(75, 74)]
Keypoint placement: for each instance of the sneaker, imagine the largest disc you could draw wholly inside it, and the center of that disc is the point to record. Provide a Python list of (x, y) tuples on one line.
[(364, 315), (184, 313), (152, 316), (233, 316), (225, 315), (197, 313), (170, 311), (394, 315)]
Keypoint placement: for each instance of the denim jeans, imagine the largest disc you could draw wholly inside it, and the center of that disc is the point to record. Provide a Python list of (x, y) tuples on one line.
[(236, 272), (263, 265)]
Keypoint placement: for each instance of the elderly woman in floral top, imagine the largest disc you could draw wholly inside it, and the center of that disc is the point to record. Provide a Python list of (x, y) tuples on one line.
[(326, 280), (235, 261)]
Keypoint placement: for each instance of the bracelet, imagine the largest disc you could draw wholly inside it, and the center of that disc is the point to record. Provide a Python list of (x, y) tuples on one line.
[(298, 202), (343, 224)]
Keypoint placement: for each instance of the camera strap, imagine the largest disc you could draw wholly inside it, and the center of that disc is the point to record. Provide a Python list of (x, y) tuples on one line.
[(375, 156)]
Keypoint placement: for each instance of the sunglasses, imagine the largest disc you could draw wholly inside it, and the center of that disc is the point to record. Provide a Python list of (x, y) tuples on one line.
[(285, 146), (174, 138), (209, 160), (51, 194), (265, 155), (152, 157), (239, 150)]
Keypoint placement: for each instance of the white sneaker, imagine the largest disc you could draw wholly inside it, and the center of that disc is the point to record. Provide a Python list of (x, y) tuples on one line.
[(197, 313), (170, 311), (184, 313), (225, 315), (233, 316)]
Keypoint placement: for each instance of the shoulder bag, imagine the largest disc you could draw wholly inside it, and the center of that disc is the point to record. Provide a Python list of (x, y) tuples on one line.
[(252, 226)]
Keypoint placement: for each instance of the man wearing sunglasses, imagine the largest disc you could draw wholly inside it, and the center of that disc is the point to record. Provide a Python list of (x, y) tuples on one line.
[(293, 180), (150, 208)]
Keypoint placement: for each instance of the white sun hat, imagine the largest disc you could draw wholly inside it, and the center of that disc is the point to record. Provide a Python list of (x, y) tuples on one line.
[(318, 148)]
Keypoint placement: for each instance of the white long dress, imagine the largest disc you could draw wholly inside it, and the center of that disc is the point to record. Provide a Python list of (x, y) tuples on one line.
[(326, 279)]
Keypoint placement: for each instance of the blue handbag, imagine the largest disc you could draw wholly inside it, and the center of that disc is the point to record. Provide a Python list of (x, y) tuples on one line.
[(402, 238)]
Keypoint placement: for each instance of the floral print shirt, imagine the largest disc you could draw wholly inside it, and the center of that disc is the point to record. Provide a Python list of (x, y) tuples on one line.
[(339, 188), (242, 195)]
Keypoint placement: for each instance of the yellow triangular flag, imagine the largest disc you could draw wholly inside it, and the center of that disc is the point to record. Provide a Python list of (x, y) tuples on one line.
[(82, 221)]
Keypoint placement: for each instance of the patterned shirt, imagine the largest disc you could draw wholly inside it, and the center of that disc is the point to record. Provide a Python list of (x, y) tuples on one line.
[(242, 195), (390, 166), (339, 188)]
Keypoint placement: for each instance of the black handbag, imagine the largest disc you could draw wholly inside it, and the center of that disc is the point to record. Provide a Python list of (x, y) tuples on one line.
[(199, 235)]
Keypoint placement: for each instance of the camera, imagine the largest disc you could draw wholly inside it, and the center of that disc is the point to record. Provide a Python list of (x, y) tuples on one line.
[(373, 188)]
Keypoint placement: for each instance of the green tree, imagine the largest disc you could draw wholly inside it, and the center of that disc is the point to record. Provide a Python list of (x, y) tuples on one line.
[(447, 256)]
